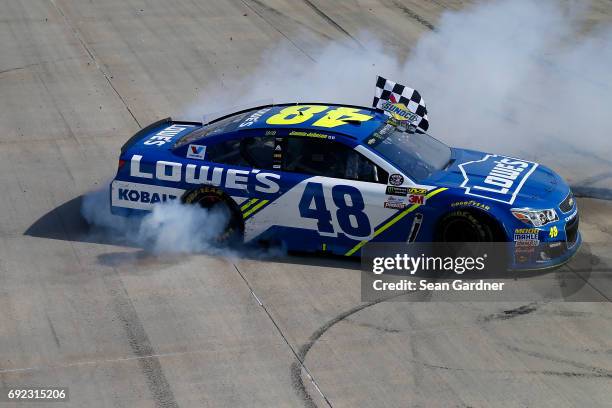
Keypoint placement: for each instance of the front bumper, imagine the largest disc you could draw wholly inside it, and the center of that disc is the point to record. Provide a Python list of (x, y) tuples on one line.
[(555, 245)]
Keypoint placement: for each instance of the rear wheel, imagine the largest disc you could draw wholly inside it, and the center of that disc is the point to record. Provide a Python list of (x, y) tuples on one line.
[(218, 203), (465, 226)]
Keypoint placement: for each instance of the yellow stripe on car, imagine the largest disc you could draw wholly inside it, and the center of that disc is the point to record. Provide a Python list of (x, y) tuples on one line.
[(248, 204), (255, 208), (392, 221)]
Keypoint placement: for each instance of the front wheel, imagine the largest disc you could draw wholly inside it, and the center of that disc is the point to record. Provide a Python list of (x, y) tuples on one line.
[(464, 226)]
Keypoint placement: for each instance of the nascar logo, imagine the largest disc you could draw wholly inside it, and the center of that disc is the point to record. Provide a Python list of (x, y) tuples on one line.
[(505, 177)]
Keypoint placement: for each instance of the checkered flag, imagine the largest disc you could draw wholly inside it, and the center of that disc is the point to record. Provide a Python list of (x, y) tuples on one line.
[(389, 92)]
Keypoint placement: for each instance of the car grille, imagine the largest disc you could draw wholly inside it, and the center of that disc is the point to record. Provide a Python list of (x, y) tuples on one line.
[(571, 231), (568, 203)]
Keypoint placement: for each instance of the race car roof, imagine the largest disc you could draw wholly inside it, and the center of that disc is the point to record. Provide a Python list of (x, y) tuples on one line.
[(357, 122)]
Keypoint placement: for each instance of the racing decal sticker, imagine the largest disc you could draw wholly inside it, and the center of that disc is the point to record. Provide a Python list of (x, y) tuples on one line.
[(554, 231), (396, 179), (471, 203), (297, 114), (396, 191), (254, 117), (166, 135), (141, 196), (571, 216), (315, 135), (396, 203), (504, 178), (526, 236), (252, 206), (196, 152), (389, 223), (277, 160), (230, 178)]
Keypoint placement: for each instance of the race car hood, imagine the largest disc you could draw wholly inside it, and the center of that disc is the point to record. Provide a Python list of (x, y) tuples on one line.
[(504, 179)]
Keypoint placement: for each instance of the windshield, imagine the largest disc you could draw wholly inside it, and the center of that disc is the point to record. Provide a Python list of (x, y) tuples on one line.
[(222, 126), (417, 154)]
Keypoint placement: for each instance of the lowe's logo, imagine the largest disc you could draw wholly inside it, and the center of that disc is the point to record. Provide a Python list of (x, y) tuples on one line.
[(168, 171), (126, 194), (503, 177)]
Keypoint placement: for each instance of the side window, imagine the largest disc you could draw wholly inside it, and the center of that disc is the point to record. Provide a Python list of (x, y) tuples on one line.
[(330, 159), (247, 152)]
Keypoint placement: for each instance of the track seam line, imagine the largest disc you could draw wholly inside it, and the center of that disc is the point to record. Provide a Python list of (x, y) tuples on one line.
[(81, 40), (331, 21), (278, 30), (280, 332), (589, 283)]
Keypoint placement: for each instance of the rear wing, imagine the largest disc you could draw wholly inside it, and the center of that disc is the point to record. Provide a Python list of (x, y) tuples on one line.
[(149, 129)]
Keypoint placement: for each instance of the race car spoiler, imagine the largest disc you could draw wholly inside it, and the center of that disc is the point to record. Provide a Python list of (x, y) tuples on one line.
[(146, 130)]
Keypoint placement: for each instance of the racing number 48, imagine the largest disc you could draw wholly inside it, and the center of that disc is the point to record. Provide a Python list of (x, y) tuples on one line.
[(349, 207)]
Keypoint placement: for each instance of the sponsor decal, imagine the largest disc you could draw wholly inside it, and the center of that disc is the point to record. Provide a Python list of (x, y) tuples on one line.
[(397, 191), (196, 152), (416, 199), (399, 112), (571, 216), (126, 194), (141, 196), (401, 203), (396, 205), (270, 132), (253, 118), (504, 179), (210, 175), (415, 190), (526, 237), (526, 231), (311, 134), (471, 203), (165, 135), (396, 179)]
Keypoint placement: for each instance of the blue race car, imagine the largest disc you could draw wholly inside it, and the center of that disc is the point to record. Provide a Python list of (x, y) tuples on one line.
[(326, 177)]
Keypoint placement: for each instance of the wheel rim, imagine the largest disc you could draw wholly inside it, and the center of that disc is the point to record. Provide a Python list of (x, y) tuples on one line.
[(461, 230)]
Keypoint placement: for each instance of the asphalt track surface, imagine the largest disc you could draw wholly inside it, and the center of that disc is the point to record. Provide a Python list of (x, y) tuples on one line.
[(124, 328)]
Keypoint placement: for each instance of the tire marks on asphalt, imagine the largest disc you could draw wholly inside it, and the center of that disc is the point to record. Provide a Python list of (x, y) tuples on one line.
[(414, 16), (139, 342)]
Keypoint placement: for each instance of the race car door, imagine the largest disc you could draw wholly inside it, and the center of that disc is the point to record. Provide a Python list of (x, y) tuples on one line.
[(334, 196)]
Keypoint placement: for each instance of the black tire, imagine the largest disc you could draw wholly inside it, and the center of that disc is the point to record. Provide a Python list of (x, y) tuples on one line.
[(215, 199), (467, 226)]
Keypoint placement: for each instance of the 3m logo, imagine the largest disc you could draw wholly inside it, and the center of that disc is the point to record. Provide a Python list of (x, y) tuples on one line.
[(196, 152)]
